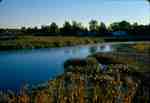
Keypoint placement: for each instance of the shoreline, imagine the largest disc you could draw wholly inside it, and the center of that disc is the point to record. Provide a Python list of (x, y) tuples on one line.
[(32, 42), (78, 73)]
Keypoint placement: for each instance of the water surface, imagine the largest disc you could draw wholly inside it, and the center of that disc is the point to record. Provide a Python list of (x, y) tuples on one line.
[(39, 65)]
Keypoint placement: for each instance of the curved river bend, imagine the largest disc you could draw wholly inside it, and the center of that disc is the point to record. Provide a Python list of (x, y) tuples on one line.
[(39, 65)]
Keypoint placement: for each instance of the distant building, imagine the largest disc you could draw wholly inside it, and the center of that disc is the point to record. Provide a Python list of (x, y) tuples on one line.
[(7, 35), (92, 33), (119, 33), (87, 33)]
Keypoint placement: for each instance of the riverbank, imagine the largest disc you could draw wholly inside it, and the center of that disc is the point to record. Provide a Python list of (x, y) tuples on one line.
[(98, 78), (33, 42), (25, 42)]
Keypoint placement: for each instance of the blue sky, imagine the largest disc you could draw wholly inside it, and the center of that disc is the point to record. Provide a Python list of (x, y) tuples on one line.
[(17, 13)]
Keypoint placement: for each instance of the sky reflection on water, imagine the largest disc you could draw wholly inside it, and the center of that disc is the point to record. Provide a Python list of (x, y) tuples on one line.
[(39, 65)]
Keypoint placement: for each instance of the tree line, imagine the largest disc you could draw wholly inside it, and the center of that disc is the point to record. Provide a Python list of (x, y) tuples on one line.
[(75, 28)]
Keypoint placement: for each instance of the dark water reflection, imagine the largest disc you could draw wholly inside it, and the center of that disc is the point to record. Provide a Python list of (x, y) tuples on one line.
[(36, 66)]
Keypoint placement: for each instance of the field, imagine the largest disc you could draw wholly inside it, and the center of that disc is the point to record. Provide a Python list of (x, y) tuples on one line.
[(24, 42)]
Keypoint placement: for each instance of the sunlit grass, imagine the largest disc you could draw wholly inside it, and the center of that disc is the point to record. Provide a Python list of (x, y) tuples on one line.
[(142, 47), (46, 42)]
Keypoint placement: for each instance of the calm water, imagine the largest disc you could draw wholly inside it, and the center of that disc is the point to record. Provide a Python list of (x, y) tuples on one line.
[(39, 65)]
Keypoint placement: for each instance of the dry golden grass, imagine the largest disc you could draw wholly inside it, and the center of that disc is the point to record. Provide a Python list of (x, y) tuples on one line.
[(141, 47), (46, 42)]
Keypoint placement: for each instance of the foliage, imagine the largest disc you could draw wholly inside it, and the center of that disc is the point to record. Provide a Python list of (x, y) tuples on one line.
[(75, 28), (120, 26), (93, 26)]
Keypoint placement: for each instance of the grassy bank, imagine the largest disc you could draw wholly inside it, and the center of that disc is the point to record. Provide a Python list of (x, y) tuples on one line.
[(85, 81), (24, 42)]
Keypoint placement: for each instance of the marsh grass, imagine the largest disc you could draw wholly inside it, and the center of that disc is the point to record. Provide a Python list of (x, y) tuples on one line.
[(23, 42), (84, 82)]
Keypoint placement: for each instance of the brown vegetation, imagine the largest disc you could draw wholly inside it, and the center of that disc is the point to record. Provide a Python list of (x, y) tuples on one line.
[(84, 81)]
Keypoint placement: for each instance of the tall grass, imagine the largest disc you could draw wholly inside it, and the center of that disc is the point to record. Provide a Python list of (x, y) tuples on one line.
[(46, 42)]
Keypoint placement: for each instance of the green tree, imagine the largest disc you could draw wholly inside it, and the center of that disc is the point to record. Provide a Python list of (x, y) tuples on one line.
[(35, 29), (134, 28), (93, 25), (102, 29), (67, 25), (44, 29), (135, 24), (67, 28), (124, 25), (53, 28), (76, 27), (2, 30), (23, 29), (120, 26), (114, 26)]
